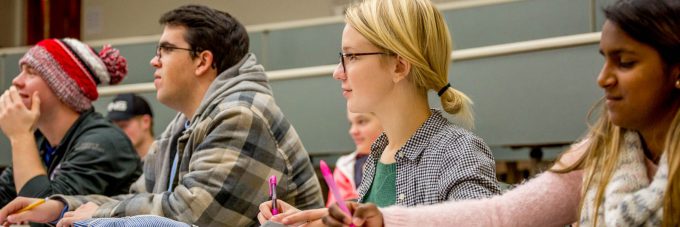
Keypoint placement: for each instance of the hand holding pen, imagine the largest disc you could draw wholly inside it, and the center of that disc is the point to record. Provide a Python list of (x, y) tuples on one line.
[(24, 209), (365, 215), (333, 188), (272, 194)]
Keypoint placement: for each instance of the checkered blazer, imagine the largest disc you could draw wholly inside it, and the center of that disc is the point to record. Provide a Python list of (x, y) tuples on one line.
[(440, 162)]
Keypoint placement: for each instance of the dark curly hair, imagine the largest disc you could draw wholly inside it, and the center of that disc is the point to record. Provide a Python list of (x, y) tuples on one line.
[(212, 30)]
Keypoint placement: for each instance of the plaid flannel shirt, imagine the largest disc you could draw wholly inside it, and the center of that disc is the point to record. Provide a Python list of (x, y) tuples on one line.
[(440, 162), (236, 140)]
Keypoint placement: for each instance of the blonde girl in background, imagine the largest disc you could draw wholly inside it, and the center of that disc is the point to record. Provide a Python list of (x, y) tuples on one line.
[(364, 128)]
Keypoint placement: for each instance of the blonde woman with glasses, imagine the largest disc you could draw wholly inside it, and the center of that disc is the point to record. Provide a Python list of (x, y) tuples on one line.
[(393, 53)]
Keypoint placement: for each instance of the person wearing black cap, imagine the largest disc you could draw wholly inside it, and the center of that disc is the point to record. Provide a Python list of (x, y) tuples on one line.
[(133, 115)]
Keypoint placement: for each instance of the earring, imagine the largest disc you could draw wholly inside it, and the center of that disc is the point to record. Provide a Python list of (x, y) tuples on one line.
[(677, 84)]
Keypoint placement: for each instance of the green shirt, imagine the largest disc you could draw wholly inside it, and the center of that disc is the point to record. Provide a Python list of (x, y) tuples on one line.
[(383, 191)]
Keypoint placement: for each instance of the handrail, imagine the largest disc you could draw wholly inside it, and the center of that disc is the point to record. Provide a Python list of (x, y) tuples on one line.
[(95, 43), (266, 27), (458, 55), (340, 19), (470, 4)]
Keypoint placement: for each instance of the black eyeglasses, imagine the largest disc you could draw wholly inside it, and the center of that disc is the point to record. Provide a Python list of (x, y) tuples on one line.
[(352, 56), (167, 49)]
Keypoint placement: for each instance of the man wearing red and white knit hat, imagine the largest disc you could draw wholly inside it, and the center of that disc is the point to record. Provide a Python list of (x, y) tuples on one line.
[(59, 144)]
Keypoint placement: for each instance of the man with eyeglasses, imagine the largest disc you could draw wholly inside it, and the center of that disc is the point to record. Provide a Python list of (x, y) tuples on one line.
[(210, 166)]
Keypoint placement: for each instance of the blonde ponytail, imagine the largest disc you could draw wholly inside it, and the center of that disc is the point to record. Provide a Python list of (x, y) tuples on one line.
[(457, 103)]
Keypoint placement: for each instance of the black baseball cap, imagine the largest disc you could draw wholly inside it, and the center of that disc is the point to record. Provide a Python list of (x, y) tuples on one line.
[(126, 106)]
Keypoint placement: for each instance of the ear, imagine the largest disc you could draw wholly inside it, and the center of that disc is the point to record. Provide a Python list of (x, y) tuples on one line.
[(675, 75), (146, 121), (401, 69), (204, 62)]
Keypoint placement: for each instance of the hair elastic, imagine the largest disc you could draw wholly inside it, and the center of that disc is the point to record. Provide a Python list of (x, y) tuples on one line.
[(441, 91)]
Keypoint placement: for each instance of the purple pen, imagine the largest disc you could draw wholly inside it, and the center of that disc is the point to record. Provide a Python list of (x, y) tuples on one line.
[(328, 177), (272, 194)]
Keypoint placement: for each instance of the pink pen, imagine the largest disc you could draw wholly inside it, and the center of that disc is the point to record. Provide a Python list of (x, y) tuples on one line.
[(334, 188), (272, 194)]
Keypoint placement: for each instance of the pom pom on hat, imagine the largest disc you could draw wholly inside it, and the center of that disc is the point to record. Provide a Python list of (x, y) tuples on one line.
[(116, 64)]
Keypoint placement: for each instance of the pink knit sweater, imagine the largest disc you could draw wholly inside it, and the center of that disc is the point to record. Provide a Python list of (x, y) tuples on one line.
[(550, 199)]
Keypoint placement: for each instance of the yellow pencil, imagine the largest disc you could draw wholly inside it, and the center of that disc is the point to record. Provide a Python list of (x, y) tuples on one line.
[(31, 206)]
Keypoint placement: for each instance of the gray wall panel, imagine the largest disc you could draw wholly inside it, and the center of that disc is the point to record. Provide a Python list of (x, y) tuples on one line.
[(534, 97), (303, 47), (316, 109), (138, 57), (599, 15), (517, 21), (256, 47), (10, 70)]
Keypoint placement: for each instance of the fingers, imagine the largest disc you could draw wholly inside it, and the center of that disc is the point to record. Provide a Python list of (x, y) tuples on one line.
[(11, 99), (261, 218), (70, 218), (304, 216), (35, 104), (69, 214), (266, 210), (339, 215), (3, 214), (65, 222), (367, 215), (12, 207), (279, 217), (14, 95), (363, 215), (284, 207), (21, 217), (4, 99), (317, 223), (332, 222), (362, 212)]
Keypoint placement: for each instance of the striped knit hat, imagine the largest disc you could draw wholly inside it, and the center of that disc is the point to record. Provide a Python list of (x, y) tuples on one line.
[(73, 69)]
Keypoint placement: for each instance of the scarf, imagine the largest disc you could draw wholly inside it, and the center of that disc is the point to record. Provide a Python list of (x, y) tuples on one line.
[(629, 198)]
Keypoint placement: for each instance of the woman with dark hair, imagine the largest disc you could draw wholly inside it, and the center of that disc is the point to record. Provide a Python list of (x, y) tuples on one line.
[(623, 172)]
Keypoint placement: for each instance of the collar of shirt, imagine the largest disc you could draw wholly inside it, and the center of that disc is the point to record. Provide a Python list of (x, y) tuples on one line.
[(50, 152), (415, 145)]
